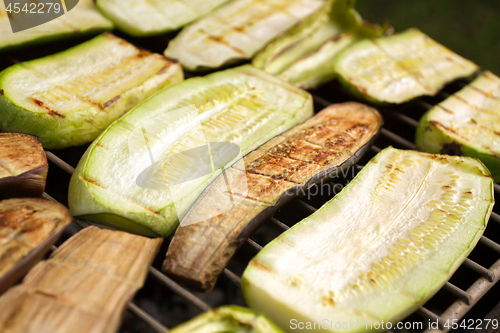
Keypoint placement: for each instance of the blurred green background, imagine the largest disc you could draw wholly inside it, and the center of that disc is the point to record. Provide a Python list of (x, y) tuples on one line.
[(469, 27)]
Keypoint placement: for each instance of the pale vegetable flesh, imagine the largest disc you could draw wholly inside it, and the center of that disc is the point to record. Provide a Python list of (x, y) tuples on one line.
[(393, 236)]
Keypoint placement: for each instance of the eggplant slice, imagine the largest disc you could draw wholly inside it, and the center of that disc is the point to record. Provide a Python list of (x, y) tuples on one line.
[(28, 228), (399, 68), (146, 18), (237, 31), (253, 189), (147, 169), (305, 54), (23, 166), (85, 286), (466, 123), (380, 249), (69, 98), (83, 19), (228, 319)]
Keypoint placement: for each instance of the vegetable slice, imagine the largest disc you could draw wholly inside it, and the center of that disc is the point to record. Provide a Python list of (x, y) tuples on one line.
[(228, 319), (149, 167), (23, 166), (69, 98), (305, 54), (380, 248), (399, 68), (146, 18), (467, 123), (28, 228), (85, 286), (246, 194), (237, 31), (83, 19)]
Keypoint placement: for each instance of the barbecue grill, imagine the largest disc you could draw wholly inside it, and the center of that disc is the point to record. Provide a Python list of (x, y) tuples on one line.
[(162, 303)]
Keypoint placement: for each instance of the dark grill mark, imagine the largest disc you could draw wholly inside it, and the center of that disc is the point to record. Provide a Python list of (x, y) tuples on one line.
[(111, 102), (50, 111)]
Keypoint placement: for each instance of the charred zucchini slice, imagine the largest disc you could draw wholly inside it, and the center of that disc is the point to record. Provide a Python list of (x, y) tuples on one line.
[(254, 188), (23, 166), (380, 248), (28, 228), (83, 19), (146, 18), (304, 55), (228, 319), (145, 171), (467, 123), (69, 98), (84, 287), (401, 67), (237, 31)]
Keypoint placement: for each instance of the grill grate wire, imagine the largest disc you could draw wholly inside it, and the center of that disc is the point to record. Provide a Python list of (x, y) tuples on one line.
[(400, 117)]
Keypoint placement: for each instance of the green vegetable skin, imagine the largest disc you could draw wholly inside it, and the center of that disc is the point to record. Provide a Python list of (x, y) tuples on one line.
[(83, 19), (237, 31), (228, 319), (378, 250), (304, 56), (146, 18), (69, 98), (399, 68), (467, 123), (244, 106)]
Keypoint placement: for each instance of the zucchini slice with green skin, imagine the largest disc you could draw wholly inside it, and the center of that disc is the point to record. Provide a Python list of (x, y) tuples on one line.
[(377, 251), (145, 171), (237, 31), (146, 18), (399, 68), (254, 188), (229, 319), (466, 123), (304, 55), (69, 98), (81, 20)]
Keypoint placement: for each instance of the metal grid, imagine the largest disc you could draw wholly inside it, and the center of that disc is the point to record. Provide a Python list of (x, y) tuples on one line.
[(398, 131)]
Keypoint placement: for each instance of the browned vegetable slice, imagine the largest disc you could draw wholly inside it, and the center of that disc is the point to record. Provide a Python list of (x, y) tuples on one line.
[(85, 286), (246, 194), (23, 166), (28, 228)]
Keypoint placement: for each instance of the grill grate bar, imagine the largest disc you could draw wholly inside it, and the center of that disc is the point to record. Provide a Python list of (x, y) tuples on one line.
[(491, 244), (495, 217), (280, 224), (467, 298), (181, 291), (396, 138), (431, 316), (458, 309), (254, 245), (376, 149), (479, 269), (405, 119), (306, 206), (59, 162), (141, 314), (497, 188), (232, 277)]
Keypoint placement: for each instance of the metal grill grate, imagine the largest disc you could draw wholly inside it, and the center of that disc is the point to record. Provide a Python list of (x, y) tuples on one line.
[(163, 302)]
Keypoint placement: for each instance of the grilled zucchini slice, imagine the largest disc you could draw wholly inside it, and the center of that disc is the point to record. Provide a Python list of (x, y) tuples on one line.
[(377, 251), (254, 188), (228, 319), (467, 123), (69, 98), (304, 55), (144, 172), (399, 68), (237, 31), (146, 18), (83, 19)]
